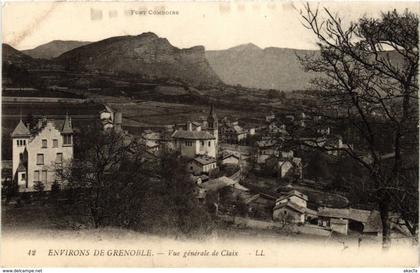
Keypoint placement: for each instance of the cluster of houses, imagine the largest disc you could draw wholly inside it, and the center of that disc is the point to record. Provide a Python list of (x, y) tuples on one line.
[(51, 141), (41, 151), (232, 133), (292, 207), (301, 131)]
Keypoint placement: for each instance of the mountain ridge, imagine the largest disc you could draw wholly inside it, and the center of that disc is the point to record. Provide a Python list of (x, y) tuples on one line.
[(268, 68), (53, 49), (146, 54)]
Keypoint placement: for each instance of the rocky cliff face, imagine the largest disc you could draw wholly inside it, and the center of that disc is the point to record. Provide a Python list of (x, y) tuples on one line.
[(146, 55)]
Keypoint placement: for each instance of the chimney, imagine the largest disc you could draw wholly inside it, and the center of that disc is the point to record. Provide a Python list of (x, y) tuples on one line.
[(189, 126), (118, 118), (118, 121), (39, 125)]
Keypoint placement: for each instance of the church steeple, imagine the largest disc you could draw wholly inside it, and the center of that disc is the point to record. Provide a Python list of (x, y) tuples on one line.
[(67, 127), (212, 118), (212, 124)]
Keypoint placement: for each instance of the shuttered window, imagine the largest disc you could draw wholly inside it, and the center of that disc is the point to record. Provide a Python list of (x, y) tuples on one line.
[(59, 158), (44, 176), (36, 175), (40, 159), (67, 140)]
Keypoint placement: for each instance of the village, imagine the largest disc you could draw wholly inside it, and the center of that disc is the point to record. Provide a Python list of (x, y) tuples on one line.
[(247, 174)]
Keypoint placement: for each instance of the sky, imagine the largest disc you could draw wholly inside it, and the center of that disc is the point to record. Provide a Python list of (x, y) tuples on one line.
[(215, 25)]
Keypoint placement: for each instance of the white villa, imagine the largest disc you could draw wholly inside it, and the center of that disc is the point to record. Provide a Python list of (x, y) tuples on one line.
[(39, 152)]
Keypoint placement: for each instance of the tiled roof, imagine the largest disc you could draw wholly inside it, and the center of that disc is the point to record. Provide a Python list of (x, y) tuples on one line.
[(266, 143), (297, 160), (21, 130), (150, 135), (204, 160), (21, 167), (311, 211), (57, 123), (263, 158), (294, 193), (67, 128), (240, 187), (217, 184), (282, 163), (290, 205), (363, 216), (359, 215), (227, 154), (238, 129), (194, 135), (252, 198), (334, 213)]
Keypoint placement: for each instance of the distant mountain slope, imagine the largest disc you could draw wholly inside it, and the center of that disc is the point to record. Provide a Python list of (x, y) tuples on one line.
[(11, 55), (15, 66), (53, 49), (251, 66), (145, 55)]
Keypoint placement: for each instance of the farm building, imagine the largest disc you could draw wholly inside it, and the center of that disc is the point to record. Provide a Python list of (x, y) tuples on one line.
[(202, 164), (230, 158)]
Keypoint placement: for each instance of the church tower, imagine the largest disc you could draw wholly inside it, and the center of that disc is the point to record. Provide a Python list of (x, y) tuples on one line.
[(213, 126)]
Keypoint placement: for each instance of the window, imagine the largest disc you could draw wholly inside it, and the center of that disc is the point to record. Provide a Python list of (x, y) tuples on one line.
[(55, 143), (36, 175), (209, 143), (44, 143), (67, 140), (188, 143), (40, 159), (59, 158), (20, 142), (44, 176), (202, 143), (23, 176)]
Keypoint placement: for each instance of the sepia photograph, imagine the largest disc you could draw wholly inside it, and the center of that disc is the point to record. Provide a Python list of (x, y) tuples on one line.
[(210, 134)]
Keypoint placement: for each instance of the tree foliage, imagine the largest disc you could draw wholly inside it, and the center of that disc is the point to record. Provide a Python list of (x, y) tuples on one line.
[(115, 182), (368, 72)]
